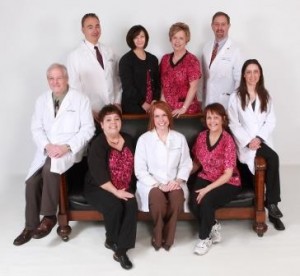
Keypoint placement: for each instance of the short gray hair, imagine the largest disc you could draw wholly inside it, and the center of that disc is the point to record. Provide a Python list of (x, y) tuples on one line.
[(62, 67)]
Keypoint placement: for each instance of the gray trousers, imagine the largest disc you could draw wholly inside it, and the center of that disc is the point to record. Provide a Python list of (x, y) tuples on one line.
[(41, 195)]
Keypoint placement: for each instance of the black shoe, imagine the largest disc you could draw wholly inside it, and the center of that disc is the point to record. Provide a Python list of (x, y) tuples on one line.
[(111, 245), (278, 224), (123, 260), (274, 211), (24, 237)]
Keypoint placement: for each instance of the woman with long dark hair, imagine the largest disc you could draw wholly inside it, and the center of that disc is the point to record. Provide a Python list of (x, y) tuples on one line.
[(252, 121)]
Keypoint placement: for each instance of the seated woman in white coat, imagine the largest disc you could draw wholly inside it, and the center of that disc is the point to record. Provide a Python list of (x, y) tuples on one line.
[(252, 121), (162, 167)]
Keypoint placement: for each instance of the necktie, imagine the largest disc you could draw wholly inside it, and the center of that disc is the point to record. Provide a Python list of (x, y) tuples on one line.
[(56, 106), (99, 56), (214, 53)]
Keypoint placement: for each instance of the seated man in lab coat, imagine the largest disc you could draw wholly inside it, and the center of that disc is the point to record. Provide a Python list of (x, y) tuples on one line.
[(93, 67), (62, 125)]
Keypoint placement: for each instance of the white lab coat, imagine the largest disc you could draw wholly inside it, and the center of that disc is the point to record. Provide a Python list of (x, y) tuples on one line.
[(86, 75), (224, 74), (156, 162), (247, 124), (73, 125)]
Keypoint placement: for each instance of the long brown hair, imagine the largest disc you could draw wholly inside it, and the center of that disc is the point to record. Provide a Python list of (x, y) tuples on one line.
[(260, 89)]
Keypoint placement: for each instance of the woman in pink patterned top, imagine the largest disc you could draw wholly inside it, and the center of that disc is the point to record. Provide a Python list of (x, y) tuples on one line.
[(110, 184), (180, 73), (218, 181)]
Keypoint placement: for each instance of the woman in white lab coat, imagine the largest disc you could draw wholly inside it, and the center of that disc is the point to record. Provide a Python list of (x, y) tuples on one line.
[(162, 166), (252, 121)]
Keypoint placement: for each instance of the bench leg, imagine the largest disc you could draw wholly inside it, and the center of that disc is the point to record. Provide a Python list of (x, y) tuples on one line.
[(260, 228), (63, 230)]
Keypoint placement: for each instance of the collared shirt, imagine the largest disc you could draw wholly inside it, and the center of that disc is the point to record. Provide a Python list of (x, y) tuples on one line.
[(221, 43), (57, 100), (91, 47)]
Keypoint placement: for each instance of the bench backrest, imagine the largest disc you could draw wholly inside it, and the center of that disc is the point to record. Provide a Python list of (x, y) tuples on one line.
[(188, 125)]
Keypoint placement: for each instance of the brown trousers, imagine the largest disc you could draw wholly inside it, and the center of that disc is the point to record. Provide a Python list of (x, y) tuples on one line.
[(164, 208), (41, 195)]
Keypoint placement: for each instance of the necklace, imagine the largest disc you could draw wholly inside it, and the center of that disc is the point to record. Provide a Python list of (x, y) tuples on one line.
[(114, 142)]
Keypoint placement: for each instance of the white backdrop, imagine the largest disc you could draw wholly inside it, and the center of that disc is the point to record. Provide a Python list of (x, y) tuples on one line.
[(36, 33)]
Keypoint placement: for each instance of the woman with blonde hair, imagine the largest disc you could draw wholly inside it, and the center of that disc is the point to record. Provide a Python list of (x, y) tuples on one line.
[(180, 73)]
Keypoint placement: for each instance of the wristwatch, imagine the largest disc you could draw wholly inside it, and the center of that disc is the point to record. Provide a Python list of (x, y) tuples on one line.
[(69, 148)]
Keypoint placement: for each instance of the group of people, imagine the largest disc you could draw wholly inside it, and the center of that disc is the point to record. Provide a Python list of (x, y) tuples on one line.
[(151, 176)]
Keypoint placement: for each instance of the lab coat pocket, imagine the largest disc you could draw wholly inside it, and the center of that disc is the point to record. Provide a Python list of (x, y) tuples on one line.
[(174, 155), (225, 68), (69, 121)]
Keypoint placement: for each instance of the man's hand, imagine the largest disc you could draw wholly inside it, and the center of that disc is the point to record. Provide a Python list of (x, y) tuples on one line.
[(56, 151)]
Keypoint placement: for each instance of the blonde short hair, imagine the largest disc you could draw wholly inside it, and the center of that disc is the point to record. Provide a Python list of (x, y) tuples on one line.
[(179, 26)]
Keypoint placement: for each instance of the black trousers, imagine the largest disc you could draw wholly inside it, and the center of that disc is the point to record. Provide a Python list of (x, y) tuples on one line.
[(272, 174), (41, 195), (120, 216), (205, 210)]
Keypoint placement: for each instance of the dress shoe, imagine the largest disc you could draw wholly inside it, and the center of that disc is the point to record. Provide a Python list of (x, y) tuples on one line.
[(24, 237), (274, 211), (45, 227), (123, 260), (155, 246), (278, 224), (166, 247), (111, 245)]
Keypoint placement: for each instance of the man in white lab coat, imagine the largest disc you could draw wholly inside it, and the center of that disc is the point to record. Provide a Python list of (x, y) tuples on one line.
[(93, 67), (222, 63), (62, 125)]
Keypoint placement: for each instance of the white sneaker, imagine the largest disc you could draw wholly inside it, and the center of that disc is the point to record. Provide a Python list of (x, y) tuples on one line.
[(215, 235), (202, 246)]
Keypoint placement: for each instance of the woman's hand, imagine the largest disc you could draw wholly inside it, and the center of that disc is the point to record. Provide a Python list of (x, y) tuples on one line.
[(178, 112), (201, 193), (254, 144), (123, 194), (172, 185), (146, 106)]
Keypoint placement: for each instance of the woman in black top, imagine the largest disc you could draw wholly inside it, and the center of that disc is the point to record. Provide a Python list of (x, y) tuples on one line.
[(139, 73), (110, 182)]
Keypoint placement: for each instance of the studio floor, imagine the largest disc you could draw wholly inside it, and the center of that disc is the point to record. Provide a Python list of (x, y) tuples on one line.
[(241, 251)]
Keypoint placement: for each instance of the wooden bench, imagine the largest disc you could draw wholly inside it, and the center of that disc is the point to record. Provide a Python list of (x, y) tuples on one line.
[(249, 204)]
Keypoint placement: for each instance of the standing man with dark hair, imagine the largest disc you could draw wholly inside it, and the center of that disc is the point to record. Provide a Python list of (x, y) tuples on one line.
[(222, 63), (93, 67), (62, 125)]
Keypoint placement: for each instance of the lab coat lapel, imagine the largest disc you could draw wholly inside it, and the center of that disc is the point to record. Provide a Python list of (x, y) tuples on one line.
[(64, 105), (221, 53), (88, 52)]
